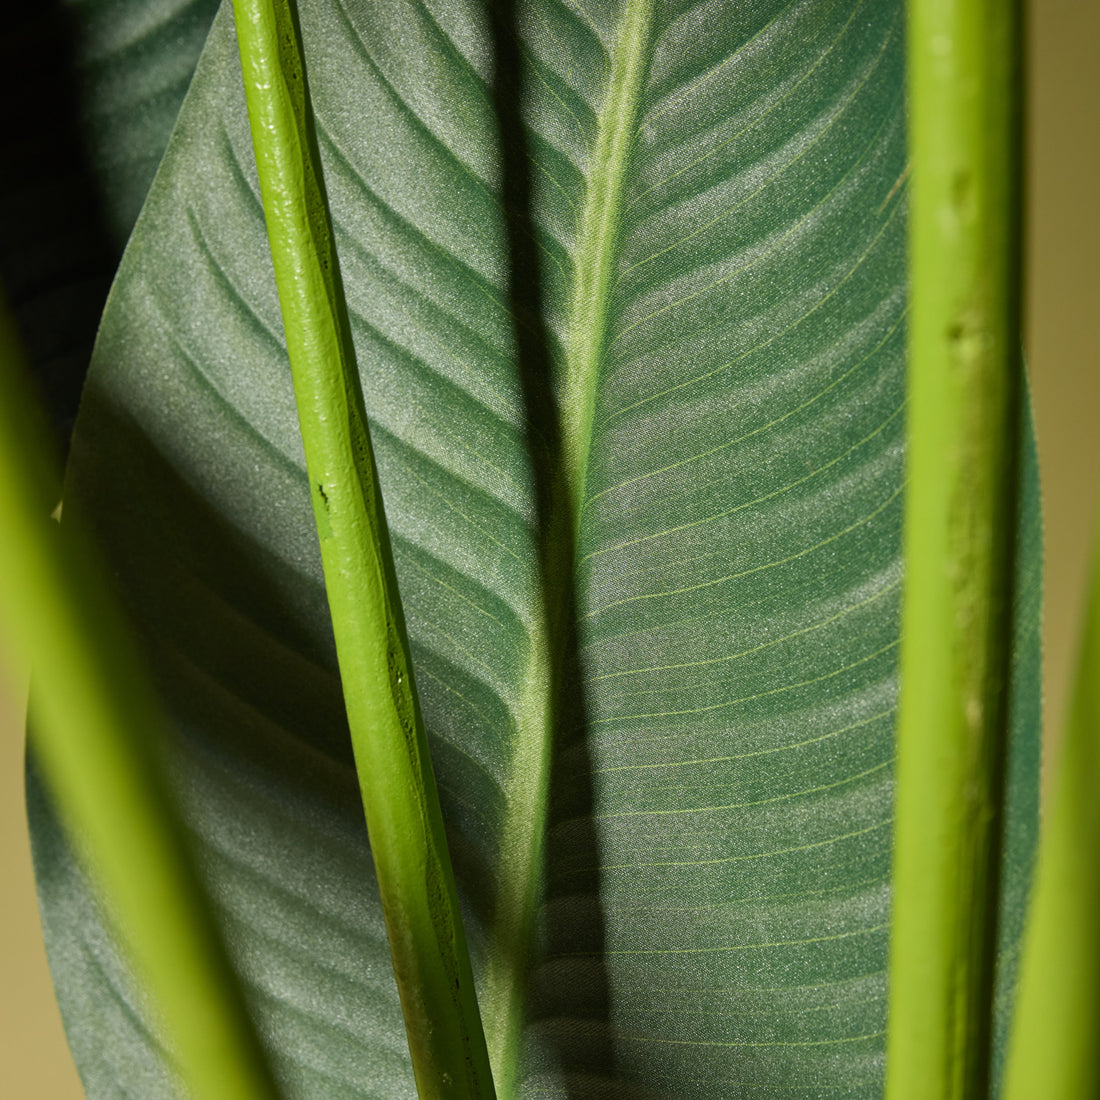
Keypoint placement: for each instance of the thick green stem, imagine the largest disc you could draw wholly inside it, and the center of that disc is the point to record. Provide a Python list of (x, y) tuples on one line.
[(96, 730), (1053, 1053), (430, 959), (964, 66)]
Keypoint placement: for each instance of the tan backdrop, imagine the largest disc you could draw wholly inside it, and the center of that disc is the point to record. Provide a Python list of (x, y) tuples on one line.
[(1062, 338)]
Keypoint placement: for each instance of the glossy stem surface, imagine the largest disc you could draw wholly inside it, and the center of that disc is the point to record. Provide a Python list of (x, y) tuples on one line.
[(427, 944), (963, 404)]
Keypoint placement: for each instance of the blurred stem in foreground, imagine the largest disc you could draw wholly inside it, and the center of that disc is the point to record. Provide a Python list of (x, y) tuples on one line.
[(960, 526), (408, 844), (96, 738), (1056, 1025)]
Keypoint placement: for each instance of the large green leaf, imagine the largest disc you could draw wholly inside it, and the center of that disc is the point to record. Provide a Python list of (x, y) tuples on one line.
[(679, 780)]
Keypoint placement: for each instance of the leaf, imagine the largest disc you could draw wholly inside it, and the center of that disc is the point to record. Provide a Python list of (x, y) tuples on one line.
[(679, 775)]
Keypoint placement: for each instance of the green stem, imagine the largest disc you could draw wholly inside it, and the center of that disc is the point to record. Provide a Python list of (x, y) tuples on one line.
[(1057, 1018), (964, 66), (95, 737), (430, 959)]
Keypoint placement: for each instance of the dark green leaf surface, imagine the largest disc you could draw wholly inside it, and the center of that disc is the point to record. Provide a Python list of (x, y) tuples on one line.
[(722, 278), (134, 60), (95, 87)]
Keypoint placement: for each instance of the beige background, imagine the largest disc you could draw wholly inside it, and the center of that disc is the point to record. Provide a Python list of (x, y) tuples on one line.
[(1063, 342)]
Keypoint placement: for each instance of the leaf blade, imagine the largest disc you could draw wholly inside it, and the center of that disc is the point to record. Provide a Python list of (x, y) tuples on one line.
[(736, 630)]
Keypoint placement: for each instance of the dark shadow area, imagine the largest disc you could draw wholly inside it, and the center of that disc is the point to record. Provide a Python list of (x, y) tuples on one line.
[(56, 257), (257, 752), (568, 1004), (198, 587)]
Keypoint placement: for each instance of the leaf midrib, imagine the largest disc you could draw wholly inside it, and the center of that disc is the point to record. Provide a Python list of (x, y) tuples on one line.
[(597, 242), (523, 834)]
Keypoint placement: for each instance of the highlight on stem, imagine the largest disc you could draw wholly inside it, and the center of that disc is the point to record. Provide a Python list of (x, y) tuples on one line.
[(960, 525)]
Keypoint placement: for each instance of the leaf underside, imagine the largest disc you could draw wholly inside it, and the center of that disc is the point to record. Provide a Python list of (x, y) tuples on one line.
[(712, 900)]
